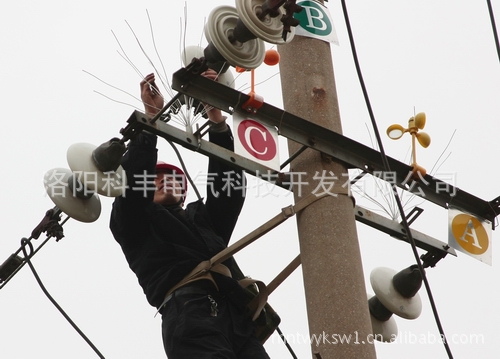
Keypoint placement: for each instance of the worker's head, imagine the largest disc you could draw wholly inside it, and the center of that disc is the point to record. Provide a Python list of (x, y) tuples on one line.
[(171, 184)]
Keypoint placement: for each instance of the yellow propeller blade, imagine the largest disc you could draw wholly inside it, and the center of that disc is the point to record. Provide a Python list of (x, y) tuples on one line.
[(420, 120), (424, 139)]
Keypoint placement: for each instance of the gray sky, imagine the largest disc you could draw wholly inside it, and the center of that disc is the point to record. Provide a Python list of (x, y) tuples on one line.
[(436, 57)]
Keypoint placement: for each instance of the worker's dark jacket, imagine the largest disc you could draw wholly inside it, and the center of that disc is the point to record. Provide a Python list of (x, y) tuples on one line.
[(162, 244)]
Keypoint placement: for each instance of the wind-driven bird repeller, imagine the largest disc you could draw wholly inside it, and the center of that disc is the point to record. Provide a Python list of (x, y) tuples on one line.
[(415, 124)]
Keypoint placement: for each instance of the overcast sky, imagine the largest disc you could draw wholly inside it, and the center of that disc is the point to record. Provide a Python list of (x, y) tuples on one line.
[(63, 81)]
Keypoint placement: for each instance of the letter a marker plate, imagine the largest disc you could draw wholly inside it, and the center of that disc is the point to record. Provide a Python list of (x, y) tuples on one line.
[(470, 235)]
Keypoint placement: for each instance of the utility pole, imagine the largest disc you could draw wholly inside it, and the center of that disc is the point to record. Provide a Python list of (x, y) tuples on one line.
[(331, 261)]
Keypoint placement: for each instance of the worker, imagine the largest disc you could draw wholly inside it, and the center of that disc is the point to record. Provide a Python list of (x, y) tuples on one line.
[(163, 240)]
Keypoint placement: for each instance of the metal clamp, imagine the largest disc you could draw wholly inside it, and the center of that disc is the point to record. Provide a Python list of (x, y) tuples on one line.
[(288, 211)]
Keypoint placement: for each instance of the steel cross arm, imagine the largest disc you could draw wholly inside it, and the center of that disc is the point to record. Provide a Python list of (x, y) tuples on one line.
[(138, 122), (344, 149), (397, 230)]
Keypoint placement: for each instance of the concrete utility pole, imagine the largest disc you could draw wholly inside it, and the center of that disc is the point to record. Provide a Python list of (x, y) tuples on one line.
[(331, 261)]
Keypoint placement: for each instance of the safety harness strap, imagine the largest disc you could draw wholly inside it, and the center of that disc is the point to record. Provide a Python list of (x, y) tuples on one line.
[(202, 270)]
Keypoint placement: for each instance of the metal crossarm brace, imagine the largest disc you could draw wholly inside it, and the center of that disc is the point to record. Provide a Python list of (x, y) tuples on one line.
[(353, 154), (138, 122), (397, 230)]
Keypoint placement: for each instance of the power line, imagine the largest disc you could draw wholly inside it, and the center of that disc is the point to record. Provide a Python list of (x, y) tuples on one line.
[(494, 28), (394, 188), (27, 257)]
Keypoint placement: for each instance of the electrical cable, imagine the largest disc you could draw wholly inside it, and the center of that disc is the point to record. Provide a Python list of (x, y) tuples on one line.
[(25, 242), (183, 165), (4, 283), (286, 343), (394, 187), (494, 28)]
